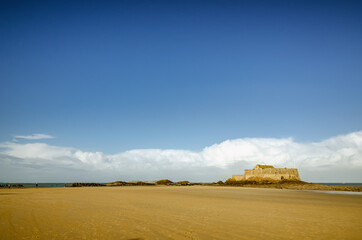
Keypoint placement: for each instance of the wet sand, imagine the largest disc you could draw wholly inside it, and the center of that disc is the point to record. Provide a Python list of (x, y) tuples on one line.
[(193, 212)]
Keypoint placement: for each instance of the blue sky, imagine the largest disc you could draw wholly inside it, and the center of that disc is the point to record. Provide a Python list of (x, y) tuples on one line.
[(112, 76)]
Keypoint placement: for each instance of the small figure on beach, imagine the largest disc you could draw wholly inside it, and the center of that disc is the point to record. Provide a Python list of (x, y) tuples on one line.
[(36, 185), (9, 186)]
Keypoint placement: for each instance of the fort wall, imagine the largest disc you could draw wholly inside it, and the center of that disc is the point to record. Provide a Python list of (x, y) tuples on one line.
[(276, 174)]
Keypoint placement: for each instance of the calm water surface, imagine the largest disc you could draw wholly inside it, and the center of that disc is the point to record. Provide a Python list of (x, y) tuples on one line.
[(343, 184), (57, 185), (40, 185)]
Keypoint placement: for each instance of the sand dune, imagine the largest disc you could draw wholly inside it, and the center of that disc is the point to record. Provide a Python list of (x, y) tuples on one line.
[(196, 212)]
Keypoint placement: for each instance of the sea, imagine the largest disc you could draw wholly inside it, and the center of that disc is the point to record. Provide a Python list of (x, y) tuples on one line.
[(343, 184), (60, 185), (40, 185)]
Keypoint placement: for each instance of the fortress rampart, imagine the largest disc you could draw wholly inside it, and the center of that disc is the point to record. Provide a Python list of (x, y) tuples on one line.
[(268, 172)]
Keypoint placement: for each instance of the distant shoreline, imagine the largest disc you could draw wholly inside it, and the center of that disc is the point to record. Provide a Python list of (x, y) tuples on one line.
[(352, 187), (68, 183)]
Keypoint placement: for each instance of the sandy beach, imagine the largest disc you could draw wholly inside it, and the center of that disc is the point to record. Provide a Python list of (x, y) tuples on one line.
[(194, 212)]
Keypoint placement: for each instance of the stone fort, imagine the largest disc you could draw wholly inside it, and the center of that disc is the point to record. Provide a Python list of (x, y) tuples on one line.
[(268, 172)]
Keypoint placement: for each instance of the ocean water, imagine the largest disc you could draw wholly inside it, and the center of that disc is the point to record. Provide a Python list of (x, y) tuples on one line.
[(58, 185), (40, 185), (343, 184), (334, 192)]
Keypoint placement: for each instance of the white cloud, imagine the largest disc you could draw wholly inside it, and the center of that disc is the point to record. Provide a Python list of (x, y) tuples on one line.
[(37, 136), (335, 159)]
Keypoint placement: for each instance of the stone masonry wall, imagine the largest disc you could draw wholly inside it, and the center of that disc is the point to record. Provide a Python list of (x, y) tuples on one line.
[(272, 173)]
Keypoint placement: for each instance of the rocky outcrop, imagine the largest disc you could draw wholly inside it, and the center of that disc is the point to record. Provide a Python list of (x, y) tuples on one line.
[(288, 184), (134, 183), (164, 182), (86, 185)]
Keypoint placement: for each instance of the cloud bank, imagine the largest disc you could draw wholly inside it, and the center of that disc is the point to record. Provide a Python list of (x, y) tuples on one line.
[(37, 136), (335, 159)]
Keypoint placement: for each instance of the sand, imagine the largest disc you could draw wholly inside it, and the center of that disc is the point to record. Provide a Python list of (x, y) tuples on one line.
[(193, 212)]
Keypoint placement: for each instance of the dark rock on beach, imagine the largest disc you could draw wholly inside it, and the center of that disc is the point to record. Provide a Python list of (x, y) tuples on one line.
[(164, 182), (289, 184), (86, 185), (134, 183)]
